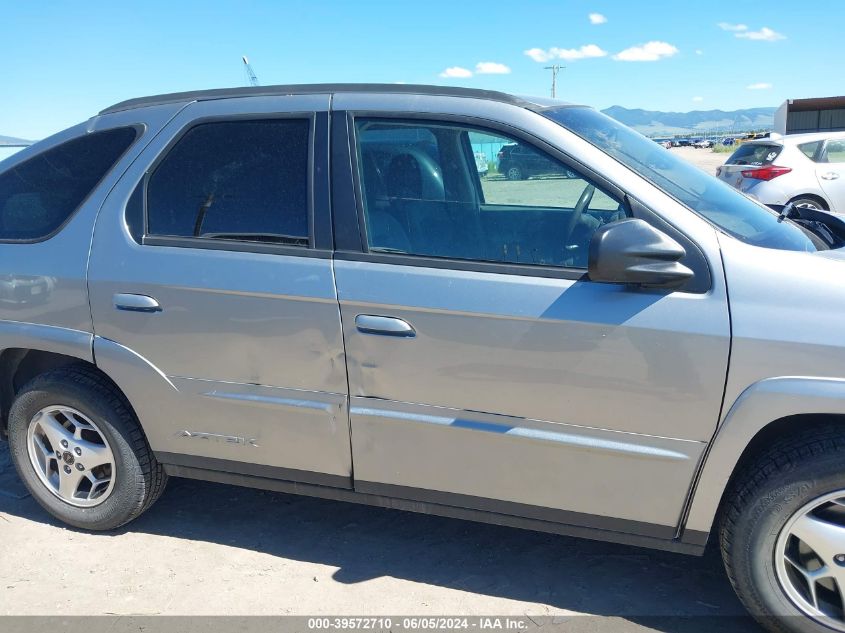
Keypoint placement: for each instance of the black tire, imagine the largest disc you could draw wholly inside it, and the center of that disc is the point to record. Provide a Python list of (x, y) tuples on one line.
[(139, 479), (808, 201), (796, 470)]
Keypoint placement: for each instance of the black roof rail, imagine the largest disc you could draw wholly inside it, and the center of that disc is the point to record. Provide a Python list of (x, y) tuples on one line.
[(301, 89)]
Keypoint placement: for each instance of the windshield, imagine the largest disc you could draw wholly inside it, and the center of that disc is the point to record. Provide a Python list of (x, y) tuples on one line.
[(712, 199)]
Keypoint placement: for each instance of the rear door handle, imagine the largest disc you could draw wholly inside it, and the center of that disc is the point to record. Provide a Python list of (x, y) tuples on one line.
[(831, 175), (384, 326), (136, 303)]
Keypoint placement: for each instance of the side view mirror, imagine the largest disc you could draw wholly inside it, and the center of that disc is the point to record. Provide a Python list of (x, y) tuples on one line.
[(631, 251)]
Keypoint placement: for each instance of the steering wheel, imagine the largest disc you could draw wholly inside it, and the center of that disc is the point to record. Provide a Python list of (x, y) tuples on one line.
[(584, 201)]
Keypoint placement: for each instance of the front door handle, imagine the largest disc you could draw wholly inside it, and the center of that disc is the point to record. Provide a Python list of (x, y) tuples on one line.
[(831, 175), (383, 325), (136, 303)]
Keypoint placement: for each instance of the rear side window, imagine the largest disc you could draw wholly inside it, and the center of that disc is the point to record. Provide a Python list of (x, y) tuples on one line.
[(234, 180), (757, 154), (810, 149), (834, 152), (39, 195)]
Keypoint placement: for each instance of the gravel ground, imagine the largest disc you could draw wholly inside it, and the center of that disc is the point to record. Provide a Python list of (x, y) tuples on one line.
[(208, 549)]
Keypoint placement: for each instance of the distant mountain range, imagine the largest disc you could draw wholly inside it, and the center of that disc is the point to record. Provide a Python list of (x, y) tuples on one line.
[(6, 141), (653, 123)]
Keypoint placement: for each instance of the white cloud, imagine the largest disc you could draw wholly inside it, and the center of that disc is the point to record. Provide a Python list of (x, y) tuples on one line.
[(569, 54), (759, 86), (698, 51), (456, 71), (491, 68), (597, 18), (698, 98), (726, 26), (765, 34), (649, 52)]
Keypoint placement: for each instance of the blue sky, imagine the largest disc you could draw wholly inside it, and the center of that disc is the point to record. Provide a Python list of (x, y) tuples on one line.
[(60, 62)]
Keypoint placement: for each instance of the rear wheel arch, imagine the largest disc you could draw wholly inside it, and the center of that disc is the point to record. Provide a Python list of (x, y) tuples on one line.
[(18, 366), (811, 196)]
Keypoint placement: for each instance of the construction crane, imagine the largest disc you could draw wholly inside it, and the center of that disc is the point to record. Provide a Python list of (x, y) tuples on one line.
[(250, 74)]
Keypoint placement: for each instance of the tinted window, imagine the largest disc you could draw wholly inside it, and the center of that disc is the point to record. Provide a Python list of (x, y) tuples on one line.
[(734, 213), (757, 154), (427, 192), (40, 194), (236, 180), (810, 149)]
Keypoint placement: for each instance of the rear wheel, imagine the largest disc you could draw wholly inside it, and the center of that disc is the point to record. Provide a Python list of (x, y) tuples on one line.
[(80, 450), (783, 534), (807, 202), (515, 173)]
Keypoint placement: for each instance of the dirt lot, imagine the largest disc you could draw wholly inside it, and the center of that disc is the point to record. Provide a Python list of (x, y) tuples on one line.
[(706, 159), (209, 549)]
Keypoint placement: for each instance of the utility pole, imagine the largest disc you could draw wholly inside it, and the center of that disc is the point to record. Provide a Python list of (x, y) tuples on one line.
[(250, 74), (555, 69)]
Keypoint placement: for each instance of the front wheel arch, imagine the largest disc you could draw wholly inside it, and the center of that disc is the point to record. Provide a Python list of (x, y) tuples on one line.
[(763, 410)]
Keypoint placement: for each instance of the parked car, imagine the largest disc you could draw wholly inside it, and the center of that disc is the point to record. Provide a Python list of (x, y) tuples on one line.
[(481, 165), (518, 162), (728, 141), (807, 170), (244, 294), (704, 144)]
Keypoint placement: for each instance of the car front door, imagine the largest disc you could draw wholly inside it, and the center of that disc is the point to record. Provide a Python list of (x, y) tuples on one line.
[(831, 173), (212, 262), (485, 369)]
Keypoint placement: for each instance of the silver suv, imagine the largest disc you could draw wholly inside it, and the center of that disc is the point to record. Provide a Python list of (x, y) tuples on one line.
[(310, 289)]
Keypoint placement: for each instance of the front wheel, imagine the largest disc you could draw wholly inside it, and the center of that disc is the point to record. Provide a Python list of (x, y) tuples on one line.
[(80, 451), (783, 534)]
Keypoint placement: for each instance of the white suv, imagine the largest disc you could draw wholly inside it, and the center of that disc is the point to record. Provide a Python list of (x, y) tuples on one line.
[(805, 169)]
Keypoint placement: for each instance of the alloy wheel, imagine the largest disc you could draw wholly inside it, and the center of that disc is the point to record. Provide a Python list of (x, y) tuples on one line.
[(810, 559), (71, 456)]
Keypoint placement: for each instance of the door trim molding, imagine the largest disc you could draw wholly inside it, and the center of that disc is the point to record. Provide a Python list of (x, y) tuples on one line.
[(621, 535), (177, 461)]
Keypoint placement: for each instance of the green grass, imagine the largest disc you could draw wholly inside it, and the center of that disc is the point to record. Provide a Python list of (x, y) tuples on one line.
[(722, 149)]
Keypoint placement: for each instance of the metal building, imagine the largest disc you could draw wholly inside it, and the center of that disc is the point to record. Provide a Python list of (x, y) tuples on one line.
[(822, 114)]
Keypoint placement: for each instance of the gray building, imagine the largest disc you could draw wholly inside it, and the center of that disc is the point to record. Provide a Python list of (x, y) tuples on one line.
[(821, 114)]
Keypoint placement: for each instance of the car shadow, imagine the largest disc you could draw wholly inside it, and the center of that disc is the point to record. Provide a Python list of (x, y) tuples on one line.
[(658, 590)]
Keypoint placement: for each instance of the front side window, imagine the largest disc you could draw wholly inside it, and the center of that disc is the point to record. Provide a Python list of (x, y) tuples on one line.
[(234, 180), (426, 191), (40, 194), (735, 214)]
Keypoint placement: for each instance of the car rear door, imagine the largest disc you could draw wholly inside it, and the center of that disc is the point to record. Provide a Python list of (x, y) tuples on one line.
[(485, 369), (831, 173), (211, 265)]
